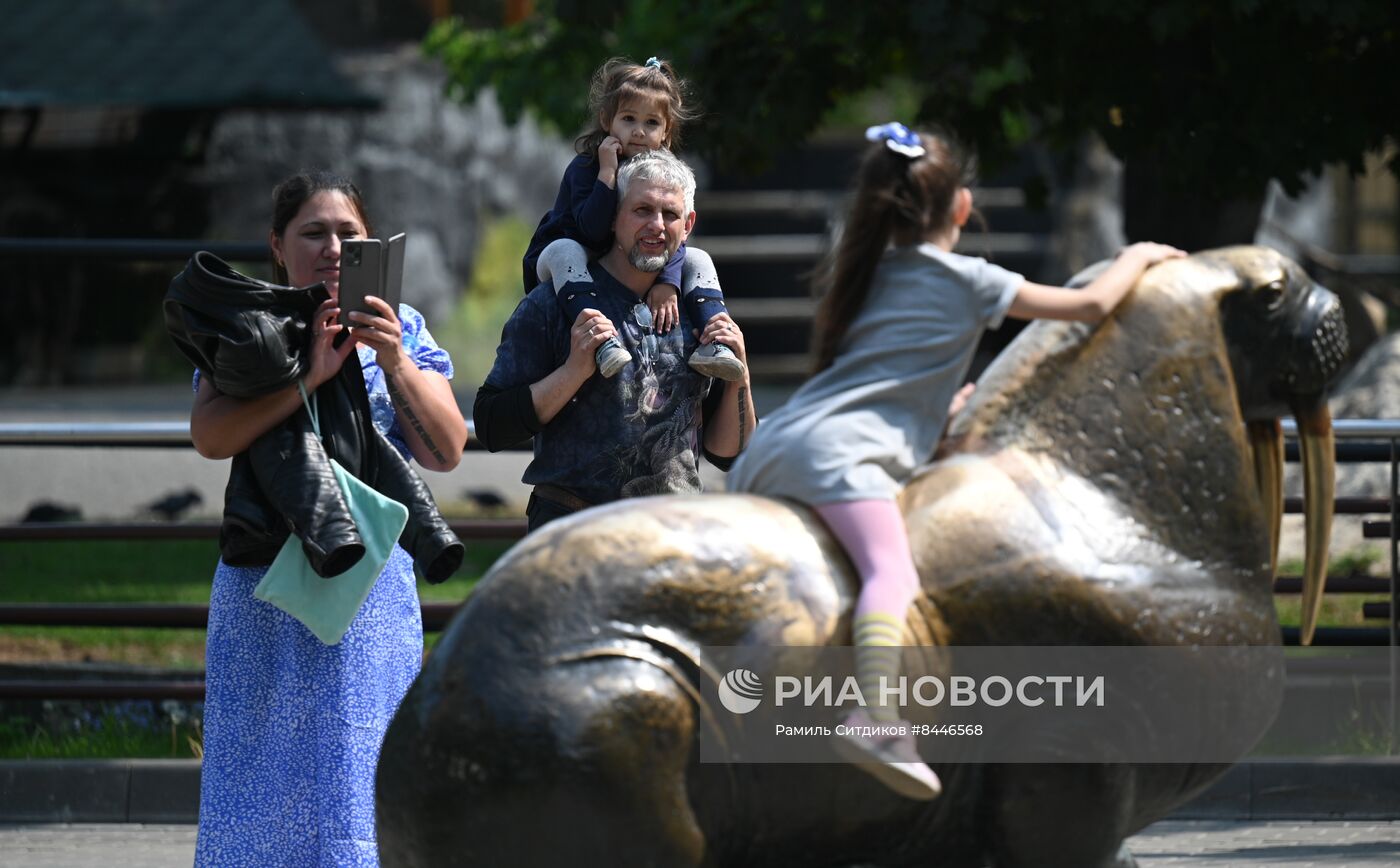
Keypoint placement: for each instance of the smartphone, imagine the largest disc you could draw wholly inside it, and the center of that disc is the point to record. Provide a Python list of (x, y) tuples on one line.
[(369, 266)]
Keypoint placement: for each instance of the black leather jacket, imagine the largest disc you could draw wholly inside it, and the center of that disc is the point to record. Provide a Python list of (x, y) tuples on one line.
[(250, 338)]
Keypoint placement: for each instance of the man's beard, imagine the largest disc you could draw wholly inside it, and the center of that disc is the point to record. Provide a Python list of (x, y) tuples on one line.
[(644, 263)]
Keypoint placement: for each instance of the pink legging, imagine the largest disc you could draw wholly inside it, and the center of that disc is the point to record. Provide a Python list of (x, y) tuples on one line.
[(873, 534)]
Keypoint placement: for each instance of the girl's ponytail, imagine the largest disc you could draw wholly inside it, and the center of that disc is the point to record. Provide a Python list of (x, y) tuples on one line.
[(844, 281), (903, 195)]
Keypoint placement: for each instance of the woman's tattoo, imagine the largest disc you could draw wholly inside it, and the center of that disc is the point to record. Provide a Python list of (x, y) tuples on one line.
[(743, 414), (412, 417)]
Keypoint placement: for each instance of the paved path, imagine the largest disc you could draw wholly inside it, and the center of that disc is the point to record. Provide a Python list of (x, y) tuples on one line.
[(1291, 843), (1198, 844), (96, 845)]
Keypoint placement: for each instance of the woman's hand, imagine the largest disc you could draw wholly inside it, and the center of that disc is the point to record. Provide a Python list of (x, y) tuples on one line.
[(721, 328), (382, 332), (325, 357), (431, 424), (222, 426)]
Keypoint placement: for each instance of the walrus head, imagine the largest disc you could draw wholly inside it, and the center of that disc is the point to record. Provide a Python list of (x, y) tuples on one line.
[(1287, 340), (1220, 344)]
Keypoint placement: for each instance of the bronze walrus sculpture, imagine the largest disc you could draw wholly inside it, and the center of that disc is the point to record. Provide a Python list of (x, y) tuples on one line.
[(1116, 485)]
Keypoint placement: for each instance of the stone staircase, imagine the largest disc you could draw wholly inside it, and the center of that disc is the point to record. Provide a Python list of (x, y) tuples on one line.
[(767, 233)]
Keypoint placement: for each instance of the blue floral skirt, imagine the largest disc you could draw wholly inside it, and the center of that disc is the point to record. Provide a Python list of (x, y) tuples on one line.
[(292, 727)]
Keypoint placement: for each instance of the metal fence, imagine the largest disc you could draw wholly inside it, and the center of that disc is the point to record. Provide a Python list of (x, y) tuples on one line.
[(1358, 441)]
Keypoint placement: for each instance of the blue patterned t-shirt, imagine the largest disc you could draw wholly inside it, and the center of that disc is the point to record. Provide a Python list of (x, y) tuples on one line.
[(634, 434)]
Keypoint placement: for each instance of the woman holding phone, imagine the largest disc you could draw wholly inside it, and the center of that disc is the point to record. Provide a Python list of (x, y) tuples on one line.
[(292, 726)]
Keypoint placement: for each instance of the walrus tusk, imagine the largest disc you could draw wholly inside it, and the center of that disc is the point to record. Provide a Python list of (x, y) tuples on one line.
[(1266, 449), (1319, 484)]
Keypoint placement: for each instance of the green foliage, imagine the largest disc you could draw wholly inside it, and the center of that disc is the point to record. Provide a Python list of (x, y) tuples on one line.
[(473, 329), (1218, 95), (895, 97)]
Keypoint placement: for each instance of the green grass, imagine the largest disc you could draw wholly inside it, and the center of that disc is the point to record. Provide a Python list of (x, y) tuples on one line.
[(117, 730), (128, 572), (1358, 734), (1337, 610), (176, 571), (1360, 561), (141, 572), (1343, 723)]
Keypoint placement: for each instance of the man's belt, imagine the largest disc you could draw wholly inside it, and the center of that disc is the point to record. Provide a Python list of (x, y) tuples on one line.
[(561, 497)]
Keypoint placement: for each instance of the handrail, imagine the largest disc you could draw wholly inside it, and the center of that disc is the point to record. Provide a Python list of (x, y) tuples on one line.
[(145, 249), (153, 434), (435, 614), (466, 528), (158, 435), (177, 433), (23, 688), (1353, 429), (172, 615)]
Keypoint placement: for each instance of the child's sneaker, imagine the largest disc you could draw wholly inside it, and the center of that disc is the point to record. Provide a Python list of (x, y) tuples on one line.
[(890, 759), (612, 357), (717, 360)]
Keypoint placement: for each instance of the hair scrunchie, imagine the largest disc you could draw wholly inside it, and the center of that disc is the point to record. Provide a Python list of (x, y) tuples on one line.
[(898, 138)]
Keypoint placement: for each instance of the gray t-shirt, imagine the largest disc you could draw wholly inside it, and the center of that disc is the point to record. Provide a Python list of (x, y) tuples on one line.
[(858, 430)]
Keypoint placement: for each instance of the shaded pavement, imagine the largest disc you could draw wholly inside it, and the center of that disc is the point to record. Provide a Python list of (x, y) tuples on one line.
[(1195, 843)]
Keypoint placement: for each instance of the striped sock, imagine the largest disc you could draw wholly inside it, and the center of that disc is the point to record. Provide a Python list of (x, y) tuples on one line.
[(879, 644)]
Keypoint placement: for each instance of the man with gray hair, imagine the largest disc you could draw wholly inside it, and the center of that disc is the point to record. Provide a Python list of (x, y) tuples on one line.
[(638, 433), (689, 271)]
